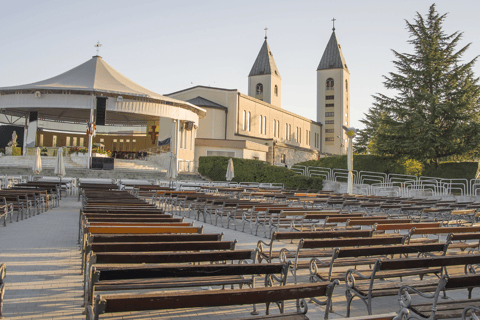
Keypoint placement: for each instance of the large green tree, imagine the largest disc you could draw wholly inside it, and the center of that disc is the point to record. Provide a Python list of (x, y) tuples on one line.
[(435, 110)]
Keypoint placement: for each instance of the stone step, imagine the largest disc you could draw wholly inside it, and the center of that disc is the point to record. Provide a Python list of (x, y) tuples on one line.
[(108, 174)]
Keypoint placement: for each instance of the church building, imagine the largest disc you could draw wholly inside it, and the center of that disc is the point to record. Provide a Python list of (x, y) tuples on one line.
[(255, 126)]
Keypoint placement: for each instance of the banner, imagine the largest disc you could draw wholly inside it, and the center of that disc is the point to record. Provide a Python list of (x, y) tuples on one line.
[(163, 142)]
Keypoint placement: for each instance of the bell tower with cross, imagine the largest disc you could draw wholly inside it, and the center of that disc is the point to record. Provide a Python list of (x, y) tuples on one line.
[(333, 96), (264, 81)]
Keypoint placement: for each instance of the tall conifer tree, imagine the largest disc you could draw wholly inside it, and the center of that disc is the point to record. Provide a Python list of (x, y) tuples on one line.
[(435, 112)]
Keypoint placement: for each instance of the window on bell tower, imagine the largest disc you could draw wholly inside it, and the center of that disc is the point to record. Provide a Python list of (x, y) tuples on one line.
[(346, 85), (329, 84), (259, 88), (276, 90)]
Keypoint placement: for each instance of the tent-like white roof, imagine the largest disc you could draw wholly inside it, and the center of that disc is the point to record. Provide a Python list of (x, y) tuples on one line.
[(95, 77)]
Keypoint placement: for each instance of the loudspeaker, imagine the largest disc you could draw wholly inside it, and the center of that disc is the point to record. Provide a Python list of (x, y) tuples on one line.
[(101, 111), (33, 116), (97, 163)]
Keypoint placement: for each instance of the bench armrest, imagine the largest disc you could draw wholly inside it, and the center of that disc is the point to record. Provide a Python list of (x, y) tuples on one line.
[(283, 255), (405, 299), (472, 310)]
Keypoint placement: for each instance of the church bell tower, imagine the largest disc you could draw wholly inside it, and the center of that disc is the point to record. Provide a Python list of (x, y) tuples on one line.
[(264, 81), (333, 97)]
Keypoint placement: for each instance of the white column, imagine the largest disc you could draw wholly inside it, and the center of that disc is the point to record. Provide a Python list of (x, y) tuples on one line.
[(25, 132), (177, 136), (350, 165), (31, 133), (90, 142)]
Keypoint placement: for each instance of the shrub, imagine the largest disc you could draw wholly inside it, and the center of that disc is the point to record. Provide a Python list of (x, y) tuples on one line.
[(16, 151), (452, 170), (247, 170)]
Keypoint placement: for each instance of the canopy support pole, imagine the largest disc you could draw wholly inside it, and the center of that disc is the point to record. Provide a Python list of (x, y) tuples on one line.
[(90, 142), (177, 137), (25, 133)]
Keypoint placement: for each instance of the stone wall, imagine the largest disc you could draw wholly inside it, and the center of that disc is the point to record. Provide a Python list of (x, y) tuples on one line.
[(293, 155)]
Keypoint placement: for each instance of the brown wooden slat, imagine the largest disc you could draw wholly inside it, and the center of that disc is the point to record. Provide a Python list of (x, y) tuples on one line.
[(162, 246), (322, 234), (181, 271), (172, 257), (211, 298), (387, 250), (441, 261), (103, 238)]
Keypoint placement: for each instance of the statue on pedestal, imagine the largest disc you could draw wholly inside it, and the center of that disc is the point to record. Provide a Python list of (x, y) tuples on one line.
[(12, 144)]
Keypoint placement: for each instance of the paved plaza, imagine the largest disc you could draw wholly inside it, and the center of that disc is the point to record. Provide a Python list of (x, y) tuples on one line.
[(43, 278)]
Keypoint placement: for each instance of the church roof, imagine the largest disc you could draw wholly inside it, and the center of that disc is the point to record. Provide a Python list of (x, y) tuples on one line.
[(93, 75), (264, 64), (202, 102), (332, 56)]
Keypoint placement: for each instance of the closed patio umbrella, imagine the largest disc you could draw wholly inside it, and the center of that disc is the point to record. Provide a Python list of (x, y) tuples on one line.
[(172, 168), (230, 171), (37, 165), (60, 168)]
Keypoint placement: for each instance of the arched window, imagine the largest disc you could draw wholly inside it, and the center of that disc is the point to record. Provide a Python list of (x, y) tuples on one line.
[(275, 90), (259, 88), (346, 85), (329, 84)]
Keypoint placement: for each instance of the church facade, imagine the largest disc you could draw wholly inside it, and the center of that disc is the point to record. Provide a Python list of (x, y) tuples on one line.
[(254, 125)]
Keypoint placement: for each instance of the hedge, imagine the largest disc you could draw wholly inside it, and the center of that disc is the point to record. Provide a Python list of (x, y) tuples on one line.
[(385, 164), (247, 170)]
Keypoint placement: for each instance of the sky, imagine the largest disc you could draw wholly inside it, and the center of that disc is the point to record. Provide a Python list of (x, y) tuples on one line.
[(167, 46)]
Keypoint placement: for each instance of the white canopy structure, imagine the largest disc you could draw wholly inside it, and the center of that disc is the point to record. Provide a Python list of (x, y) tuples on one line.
[(70, 96)]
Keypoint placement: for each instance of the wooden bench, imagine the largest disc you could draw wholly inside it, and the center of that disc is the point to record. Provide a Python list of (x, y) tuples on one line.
[(310, 252), (265, 250), (217, 298), (182, 276), (435, 309), (369, 288), (438, 232)]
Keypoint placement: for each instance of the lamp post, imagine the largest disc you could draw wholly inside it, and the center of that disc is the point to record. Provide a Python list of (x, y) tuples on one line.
[(350, 132)]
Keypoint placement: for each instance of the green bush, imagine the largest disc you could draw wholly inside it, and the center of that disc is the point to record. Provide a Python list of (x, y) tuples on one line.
[(452, 170), (385, 164), (247, 170), (16, 151)]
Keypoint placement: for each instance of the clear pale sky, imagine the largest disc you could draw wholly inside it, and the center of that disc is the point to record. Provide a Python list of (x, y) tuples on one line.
[(168, 46)]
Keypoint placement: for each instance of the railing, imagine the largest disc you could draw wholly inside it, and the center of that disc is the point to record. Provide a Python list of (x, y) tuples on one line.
[(379, 183), (156, 149)]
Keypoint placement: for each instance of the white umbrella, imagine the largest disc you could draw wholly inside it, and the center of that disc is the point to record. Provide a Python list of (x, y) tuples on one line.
[(230, 171), (37, 166), (60, 168), (172, 168)]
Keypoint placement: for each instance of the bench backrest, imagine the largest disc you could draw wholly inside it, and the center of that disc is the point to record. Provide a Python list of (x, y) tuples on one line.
[(105, 238), (163, 246), (434, 261), (172, 257), (142, 229), (214, 298), (391, 250), (321, 234), (353, 242)]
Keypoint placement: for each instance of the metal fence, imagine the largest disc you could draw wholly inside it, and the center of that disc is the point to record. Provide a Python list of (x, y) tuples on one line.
[(379, 183)]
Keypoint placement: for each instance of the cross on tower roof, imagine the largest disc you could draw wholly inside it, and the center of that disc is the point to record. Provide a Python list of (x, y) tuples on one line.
[(266, 29), (333, 24), (98, 45)]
